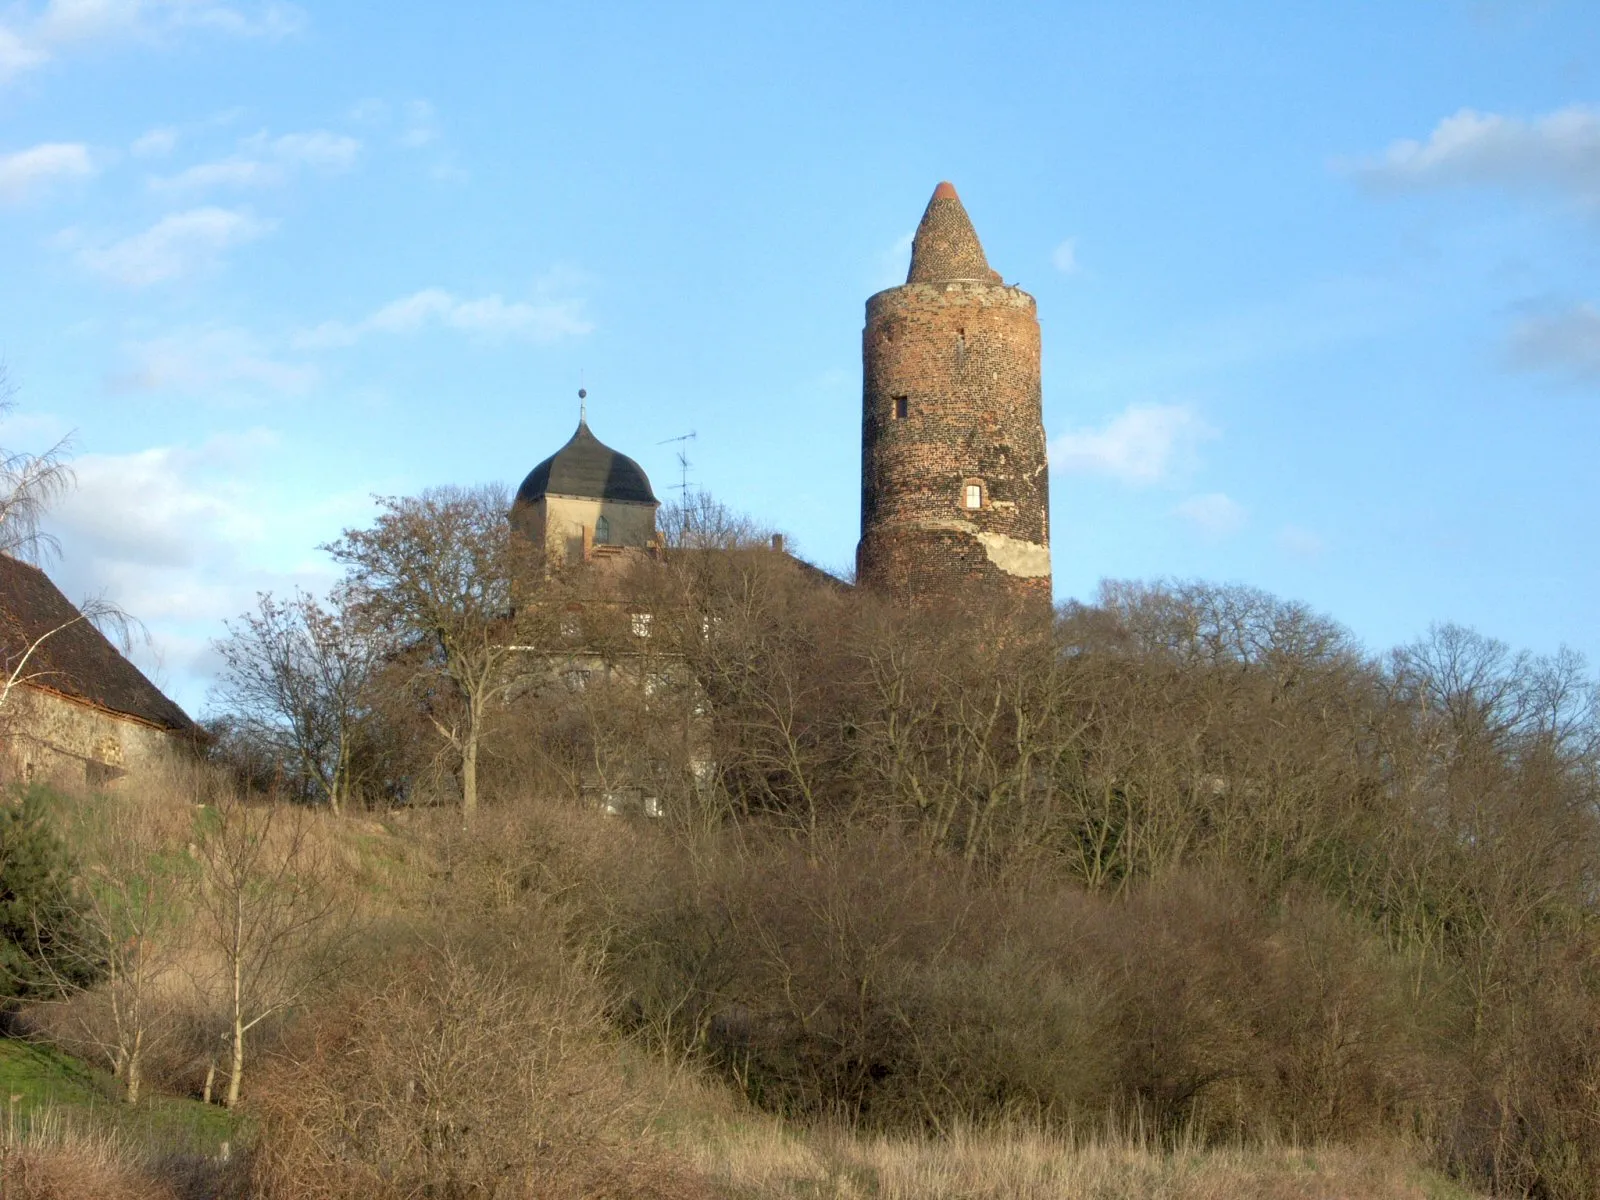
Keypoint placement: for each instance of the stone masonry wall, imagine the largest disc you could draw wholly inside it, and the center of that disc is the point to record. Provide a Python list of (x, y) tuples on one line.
[(54, 739), (960, 360)]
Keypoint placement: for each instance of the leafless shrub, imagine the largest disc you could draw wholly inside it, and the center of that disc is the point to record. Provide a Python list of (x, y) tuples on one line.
[(474, 1066)]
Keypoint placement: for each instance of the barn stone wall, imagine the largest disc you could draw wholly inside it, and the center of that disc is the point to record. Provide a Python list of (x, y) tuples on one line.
[(52, 739)]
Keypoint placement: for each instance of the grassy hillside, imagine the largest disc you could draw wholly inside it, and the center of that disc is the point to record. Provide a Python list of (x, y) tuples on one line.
[(478, 1005)]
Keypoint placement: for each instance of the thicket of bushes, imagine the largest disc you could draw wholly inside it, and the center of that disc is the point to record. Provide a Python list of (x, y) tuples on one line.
[(1187, 856), (1191, 852)]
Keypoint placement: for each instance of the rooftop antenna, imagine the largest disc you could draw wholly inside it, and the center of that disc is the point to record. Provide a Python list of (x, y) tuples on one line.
[(682, 441), (683, 461)]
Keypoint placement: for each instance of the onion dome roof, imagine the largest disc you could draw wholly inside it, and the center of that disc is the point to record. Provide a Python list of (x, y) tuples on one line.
[(588, 468)]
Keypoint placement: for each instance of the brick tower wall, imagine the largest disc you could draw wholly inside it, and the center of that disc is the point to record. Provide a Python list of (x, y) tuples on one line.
[(951, 397)]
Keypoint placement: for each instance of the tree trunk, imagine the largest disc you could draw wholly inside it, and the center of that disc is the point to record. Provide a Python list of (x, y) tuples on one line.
[(235, 1064), (133, 1077), (469, 770), (236, 1050)]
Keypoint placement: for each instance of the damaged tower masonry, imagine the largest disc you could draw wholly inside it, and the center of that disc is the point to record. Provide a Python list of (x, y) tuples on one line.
[(955, 502)]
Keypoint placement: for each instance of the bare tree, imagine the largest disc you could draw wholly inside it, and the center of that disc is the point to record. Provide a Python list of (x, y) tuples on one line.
[(436, 571), (29, 484), (133, 901), (266, 907), (298, 673)]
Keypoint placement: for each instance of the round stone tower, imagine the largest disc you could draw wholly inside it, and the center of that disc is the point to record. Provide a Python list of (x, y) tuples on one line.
[(955, 502)]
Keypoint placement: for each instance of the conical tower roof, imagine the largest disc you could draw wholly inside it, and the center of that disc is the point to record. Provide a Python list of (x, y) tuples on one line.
[(946, 245), (588, 468)]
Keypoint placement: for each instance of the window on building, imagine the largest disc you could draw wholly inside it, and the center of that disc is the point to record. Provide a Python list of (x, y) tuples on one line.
[(577, 679), (641, 625), (974, 495), (602, 531), (571, 627), (902, 408)]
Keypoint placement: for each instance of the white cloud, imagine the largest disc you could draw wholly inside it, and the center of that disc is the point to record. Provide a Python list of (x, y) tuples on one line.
[(225, 173), (266, 161), (492, 317), (32, 35), (1214, 514), (26, 172), (369, 110), (421, 125), (1145, 444), (182, 537), (175, 246), (146, 510), (1559, 151), (1065, 257), (417, 120), (316, 148), (156, 143), (1301, 542), (1566, 342), (215, 363), (18, 53)]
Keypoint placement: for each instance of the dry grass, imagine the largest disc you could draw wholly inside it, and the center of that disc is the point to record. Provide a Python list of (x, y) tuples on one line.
[(54, 1158), (756, 1157)]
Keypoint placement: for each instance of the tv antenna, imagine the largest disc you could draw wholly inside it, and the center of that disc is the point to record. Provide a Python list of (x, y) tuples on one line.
[(682, 441)]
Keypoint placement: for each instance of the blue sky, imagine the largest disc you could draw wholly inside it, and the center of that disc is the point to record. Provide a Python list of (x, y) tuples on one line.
[(1318, 283)]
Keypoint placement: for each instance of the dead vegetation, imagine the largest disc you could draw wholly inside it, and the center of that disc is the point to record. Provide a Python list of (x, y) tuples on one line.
[(1188, 896)]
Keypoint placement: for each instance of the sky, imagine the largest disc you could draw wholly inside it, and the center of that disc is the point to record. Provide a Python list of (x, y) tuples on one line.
[(1318, 283)]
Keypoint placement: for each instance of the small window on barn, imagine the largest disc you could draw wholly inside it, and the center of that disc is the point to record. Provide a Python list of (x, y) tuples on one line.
[(973, 495), (641, 625), (602, 531), (902, 408)]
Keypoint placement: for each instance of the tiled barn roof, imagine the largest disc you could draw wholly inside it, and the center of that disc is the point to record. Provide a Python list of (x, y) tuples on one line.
[(71, 656)]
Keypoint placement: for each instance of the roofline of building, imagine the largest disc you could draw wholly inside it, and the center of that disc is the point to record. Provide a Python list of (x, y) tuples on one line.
[(193, 729), (590, 499)]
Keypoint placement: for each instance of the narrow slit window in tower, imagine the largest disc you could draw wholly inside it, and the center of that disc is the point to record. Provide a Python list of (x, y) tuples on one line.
[(973, 497), (902, 407)]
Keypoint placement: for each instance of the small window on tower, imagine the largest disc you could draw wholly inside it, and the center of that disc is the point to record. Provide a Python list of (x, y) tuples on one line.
[(974, 495), (902, 407), (602, 531)]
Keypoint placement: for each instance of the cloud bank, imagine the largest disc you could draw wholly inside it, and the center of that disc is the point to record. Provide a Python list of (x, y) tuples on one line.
[(178, 245), (1144, 444), (265, 161), (1557, 152), (491, 317), (28, 172), (1214, 514), (32, 35)]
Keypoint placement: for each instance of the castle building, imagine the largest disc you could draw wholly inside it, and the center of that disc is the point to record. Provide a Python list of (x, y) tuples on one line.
[(585, 501), (954, 480)]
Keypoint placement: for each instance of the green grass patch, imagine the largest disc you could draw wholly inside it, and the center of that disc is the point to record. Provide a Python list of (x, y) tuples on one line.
[(36, 1079)]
